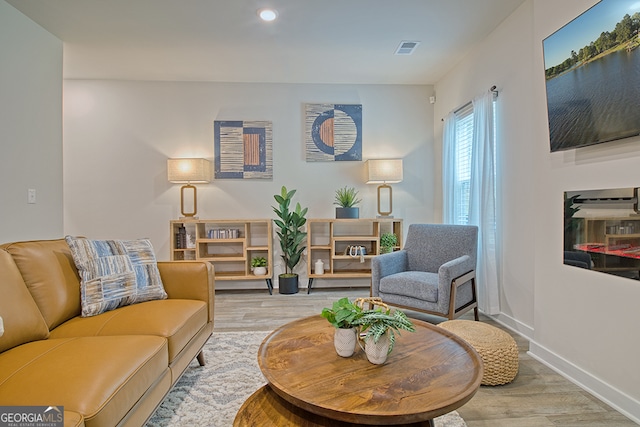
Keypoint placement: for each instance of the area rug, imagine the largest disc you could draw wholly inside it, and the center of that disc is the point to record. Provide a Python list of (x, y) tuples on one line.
[(210, 396)]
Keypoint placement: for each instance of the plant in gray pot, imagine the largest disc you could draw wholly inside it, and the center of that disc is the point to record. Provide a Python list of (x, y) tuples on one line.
[(292, 238), (346, 199)]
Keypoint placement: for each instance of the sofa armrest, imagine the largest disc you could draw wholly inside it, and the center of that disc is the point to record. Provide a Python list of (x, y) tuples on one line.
[(189, 280), (386, 265)]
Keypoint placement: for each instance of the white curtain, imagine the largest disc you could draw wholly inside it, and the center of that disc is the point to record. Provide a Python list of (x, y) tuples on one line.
[(482, 196)]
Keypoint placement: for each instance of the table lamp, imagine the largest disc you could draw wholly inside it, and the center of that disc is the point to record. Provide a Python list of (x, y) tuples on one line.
[(189, 171), (384, 172)]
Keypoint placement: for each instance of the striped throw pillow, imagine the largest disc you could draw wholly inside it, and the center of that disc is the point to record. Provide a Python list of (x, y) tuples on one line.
[(115, 273)]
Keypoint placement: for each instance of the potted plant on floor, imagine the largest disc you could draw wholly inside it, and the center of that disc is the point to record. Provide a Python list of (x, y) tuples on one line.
[(342, 316), (259, 266), (387, 242), (379, 327), (346, 198), (292, 238)]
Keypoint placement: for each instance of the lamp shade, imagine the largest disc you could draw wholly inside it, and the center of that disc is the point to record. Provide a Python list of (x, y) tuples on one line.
[(188, 170), (382, 171)]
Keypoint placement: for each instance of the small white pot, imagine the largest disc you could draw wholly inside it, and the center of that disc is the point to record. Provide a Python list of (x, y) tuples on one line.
[(377, 352), (345, 341), (259, 271)]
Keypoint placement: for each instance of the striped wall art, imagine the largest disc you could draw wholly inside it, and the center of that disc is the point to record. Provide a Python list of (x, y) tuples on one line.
[(243, 149)]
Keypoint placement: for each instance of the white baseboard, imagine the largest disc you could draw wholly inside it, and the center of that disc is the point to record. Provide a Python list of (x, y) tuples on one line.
[(613, 397), (516, 326)]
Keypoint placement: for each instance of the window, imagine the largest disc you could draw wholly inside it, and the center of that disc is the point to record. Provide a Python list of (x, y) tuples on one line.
[(463, 151), (469, 186), (462, 167)]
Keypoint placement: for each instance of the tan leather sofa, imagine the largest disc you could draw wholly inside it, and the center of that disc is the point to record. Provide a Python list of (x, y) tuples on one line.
[(112, 369)]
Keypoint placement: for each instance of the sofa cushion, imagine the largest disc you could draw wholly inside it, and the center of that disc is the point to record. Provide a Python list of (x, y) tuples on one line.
[(176, 320), (115, 273), (97, 377), (415, 284), (21, 318), (48, 270)]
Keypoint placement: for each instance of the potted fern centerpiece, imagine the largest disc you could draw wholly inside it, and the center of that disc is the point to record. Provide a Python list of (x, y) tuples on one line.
[(346, 198), (379, 327), (292, 238)]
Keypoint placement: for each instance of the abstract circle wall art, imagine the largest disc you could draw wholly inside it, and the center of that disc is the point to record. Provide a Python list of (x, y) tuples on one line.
[(333, 132)]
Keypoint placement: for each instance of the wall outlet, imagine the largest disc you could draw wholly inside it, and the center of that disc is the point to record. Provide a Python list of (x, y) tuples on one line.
[(31, 196)]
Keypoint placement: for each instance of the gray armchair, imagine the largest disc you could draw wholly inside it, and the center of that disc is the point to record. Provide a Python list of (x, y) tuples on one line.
[(433, 273)]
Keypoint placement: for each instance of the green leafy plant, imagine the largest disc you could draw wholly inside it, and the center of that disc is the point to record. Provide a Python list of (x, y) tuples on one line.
[(343, 313), (346, 197), (375, 323), (387, 242), (290, 232), (259, 262)]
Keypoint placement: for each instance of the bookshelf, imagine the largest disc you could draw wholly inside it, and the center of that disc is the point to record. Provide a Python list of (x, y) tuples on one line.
[(229, 245)]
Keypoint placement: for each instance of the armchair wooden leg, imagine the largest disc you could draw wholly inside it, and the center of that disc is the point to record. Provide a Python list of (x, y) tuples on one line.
[(200, 358)]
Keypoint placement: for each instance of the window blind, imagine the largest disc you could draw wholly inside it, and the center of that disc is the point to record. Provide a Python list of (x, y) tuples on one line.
[(464, 146)]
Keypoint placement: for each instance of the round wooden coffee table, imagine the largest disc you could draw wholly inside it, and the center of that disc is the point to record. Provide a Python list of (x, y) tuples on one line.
[(429, 373)]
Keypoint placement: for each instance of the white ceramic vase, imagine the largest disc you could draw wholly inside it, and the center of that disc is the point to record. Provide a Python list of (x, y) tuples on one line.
[(377, 351), (345, 341)]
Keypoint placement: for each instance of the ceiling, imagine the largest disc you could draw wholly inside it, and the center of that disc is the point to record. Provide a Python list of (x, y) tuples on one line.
[(329, 41)]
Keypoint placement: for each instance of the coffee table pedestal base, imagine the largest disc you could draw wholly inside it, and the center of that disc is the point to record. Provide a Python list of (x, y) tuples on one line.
[(266, 409)]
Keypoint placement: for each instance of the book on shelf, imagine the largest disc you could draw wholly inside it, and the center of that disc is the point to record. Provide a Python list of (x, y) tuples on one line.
[(224, 233)]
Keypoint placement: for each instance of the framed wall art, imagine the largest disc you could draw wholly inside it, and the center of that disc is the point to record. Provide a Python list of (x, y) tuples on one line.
[(592, 70), (243, 149), (333, 132)]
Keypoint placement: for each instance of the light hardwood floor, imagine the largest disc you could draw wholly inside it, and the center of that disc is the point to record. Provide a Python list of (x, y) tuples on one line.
[(538, 397)]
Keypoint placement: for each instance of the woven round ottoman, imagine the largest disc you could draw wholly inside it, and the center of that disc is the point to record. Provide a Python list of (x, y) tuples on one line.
[(498, 349)]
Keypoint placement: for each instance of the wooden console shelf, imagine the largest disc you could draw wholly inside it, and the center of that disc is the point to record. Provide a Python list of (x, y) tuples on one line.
[(330, 240), (229, 245)]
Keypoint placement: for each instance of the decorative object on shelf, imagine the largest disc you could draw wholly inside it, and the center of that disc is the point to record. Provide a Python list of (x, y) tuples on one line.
[(243, 149), (384, 172), (342, 316), (319, 267), (356, 251), (346, 198), (259, 266), (189, 171), (387, 242), (333, 132), (378, 328), (292, 238)]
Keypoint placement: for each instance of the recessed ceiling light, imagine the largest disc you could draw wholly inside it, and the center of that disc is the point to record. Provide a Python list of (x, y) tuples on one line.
[(268, 14)]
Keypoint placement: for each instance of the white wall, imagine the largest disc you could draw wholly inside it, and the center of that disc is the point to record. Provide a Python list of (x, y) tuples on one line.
[(118, 135), (582, 323), (30, 128)]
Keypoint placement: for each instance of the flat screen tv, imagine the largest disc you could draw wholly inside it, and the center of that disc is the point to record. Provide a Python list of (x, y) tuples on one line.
[(592, 70)]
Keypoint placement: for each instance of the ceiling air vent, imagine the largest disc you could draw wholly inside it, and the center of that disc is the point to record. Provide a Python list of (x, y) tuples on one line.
[(406, 47)]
